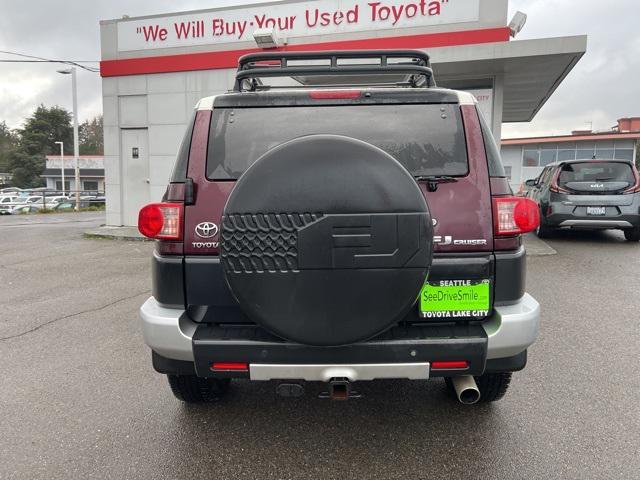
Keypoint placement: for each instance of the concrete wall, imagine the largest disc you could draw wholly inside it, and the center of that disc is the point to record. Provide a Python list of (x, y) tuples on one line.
[(163, 104)]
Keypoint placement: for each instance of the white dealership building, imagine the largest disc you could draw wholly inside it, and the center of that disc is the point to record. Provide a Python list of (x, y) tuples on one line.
[(154, 69)]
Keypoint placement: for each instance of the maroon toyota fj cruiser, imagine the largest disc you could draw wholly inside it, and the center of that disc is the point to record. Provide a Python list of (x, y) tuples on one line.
[(357, 226)]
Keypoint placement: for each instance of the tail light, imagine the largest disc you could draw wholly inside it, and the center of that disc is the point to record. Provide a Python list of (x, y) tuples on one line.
[(334, 94), (452, 365), (515, 215), (554, 187), (230, 366), (636, 187), (162, 221)]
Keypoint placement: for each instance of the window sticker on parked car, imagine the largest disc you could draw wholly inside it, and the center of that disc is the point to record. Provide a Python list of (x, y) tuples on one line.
[(455, 299)]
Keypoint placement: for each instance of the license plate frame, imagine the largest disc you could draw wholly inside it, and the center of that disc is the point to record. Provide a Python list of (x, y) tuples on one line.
[(596, 211), (455, 299)]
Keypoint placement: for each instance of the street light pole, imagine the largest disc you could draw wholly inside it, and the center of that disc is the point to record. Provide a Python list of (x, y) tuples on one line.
[(62, 162), (74, 87)]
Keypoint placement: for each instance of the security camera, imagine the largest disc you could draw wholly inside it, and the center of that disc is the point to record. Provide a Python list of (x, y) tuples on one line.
[(517, 23)]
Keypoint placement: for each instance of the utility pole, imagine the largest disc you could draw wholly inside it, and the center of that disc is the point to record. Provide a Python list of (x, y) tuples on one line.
[(76, 147), (62, 162)]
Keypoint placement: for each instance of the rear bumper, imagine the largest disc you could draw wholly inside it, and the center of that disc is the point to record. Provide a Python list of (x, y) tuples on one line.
[(595, 224), (507, 334), (353, 372), (573, 214)]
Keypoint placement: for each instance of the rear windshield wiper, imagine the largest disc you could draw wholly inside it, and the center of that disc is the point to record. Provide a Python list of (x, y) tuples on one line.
[(434, 180)]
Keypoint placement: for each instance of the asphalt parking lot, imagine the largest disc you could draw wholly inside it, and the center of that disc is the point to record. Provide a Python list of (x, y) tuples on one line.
[(79, 398)]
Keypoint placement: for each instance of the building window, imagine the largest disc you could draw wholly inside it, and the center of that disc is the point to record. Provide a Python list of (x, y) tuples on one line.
[(623, 154), (604, 149), (90, 186), (59, 185), (566, 155), (622, 144), (531, 158), (585, 150), (604, 153), (547, 157)]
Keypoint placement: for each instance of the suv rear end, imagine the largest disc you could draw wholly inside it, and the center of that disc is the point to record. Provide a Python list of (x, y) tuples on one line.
[(589, 194), (339, 234)]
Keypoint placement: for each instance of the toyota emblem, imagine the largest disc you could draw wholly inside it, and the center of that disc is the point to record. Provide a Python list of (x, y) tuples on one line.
[(206, 230)]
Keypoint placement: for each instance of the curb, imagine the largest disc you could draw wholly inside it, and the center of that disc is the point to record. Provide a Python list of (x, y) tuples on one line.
[(116, 233), (536, 247)]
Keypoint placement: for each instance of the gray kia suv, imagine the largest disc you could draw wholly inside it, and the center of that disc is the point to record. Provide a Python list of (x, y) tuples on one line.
[(588, 194)]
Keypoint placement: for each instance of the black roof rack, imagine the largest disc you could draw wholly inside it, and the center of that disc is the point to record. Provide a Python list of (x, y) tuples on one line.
[(414, 64)]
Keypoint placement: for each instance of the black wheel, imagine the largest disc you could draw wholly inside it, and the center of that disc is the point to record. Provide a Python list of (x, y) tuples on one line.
[(492, 386), (192, 389), (632, 235), (543, 231)]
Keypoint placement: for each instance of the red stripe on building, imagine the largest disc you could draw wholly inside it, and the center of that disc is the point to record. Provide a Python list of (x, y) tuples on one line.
[(229, 59)]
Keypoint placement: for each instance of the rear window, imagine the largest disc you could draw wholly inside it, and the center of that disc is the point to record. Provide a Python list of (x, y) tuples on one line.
[(596, 172), (179, 173), (425, 139), (496, 169)]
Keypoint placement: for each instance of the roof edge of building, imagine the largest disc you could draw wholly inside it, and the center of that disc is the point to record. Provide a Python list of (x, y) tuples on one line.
[(575, 138)]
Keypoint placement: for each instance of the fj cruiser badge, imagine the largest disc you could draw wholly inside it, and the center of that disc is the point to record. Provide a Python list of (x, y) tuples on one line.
[(448, 240)]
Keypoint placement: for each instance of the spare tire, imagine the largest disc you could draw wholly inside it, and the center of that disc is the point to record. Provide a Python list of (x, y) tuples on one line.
[(326, 240)]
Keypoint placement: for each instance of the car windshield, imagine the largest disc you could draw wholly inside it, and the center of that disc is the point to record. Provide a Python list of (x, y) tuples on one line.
[(596, 172), (425, 139)]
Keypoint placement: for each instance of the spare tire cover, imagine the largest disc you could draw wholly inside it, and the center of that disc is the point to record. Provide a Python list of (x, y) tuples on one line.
[(326, 240)]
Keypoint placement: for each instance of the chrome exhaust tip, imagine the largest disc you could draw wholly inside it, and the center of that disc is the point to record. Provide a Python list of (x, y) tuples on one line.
[(466, 389)]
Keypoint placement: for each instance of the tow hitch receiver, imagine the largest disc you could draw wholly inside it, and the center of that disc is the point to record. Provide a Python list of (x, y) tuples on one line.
[(339, 389)]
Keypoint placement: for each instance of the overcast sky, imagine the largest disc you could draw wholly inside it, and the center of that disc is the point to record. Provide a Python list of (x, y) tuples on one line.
[(600, 89)]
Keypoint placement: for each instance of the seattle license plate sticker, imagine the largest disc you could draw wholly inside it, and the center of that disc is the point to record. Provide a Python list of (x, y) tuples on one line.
[(455, 299)]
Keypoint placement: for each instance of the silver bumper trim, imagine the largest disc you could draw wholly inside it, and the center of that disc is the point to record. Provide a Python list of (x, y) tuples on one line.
[(513, 328), (510, 330), (596, 223), (167, 330), (324, 373)]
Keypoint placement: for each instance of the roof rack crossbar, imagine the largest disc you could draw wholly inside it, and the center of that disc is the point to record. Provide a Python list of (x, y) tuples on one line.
[(278, 64)]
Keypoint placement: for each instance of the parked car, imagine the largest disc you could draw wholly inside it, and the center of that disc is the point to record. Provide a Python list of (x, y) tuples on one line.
[(56, 199), (70, 204), (48, 203), (339, 234), (11, 191), (24, 209), (6, 199), (588, 194), (7, 202), (36, 200)]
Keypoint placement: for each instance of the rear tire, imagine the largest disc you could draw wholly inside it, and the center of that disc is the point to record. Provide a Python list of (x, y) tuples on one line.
[(632, 235), (192, 389), (543, 231), (492, 386)]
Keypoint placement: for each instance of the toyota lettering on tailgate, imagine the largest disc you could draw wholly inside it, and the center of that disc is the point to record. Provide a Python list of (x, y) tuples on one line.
[(206, 230)]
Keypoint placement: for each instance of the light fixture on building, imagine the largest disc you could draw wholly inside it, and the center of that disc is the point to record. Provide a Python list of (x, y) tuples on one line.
[(517, 23), (266, 37)]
